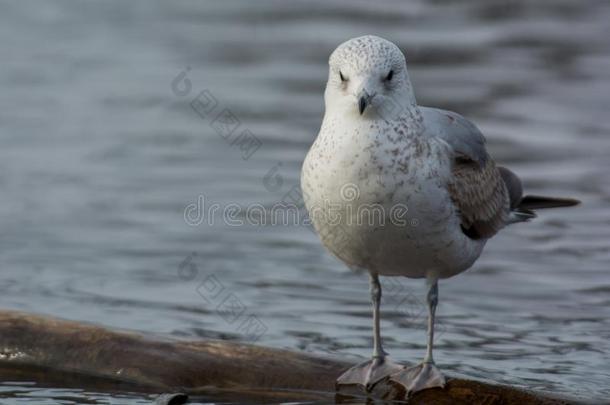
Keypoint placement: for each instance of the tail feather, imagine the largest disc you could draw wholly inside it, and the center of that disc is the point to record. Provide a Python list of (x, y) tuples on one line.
[(536, 202), (522, 207)]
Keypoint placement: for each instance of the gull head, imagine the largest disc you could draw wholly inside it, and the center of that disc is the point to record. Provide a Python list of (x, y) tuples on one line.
[(367, 75)]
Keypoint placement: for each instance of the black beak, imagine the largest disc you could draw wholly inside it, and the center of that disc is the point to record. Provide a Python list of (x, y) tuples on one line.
[(362, 103)]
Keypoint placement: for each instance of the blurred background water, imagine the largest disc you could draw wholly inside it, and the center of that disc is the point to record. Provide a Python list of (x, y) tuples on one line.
[(100, 156)]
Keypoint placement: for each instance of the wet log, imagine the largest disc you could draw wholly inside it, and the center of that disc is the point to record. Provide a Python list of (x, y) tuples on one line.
[(46, 349)]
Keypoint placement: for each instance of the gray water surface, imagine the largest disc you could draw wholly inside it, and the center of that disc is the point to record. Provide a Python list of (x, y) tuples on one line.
[(100, 155)]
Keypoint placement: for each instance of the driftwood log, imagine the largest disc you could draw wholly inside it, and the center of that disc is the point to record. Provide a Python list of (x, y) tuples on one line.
[(66, 353)]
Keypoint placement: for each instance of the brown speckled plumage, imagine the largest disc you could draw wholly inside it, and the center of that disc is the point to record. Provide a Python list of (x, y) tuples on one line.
[(481, 197)]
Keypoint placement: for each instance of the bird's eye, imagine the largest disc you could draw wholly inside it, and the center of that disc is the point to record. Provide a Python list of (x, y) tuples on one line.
[(390, 75), (342, 77)]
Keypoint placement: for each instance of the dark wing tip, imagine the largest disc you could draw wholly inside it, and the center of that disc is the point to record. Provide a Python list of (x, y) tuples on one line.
[(534, 202)]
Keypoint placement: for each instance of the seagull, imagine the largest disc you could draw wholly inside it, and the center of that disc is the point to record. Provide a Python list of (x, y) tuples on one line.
[(378, 150)]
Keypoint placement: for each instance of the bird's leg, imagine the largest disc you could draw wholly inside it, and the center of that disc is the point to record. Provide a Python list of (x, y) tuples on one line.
[(426, 374), (370, 372), (432, 300), (375, 289)]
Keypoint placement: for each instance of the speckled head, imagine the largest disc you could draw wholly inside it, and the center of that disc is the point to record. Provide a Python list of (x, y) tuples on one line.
[(367, 74)]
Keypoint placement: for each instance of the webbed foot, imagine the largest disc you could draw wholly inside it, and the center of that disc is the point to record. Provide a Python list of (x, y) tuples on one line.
[(420, 377), (369, 373)]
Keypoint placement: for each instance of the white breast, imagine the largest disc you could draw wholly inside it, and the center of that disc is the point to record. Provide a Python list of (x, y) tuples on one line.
[(359, 176)]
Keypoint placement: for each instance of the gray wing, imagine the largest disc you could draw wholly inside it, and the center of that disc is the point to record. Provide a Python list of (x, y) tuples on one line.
[(477, 187), (462, 135)]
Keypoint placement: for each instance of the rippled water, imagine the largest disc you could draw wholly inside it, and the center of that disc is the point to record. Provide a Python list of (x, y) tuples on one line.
[(100, 157)]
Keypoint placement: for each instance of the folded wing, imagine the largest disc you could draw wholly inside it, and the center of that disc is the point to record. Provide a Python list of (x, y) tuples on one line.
[(487, 197)]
